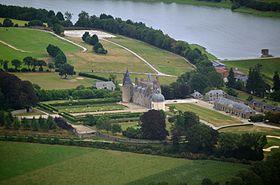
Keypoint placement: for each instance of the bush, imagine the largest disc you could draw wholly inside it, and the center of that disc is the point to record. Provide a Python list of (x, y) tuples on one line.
[(8, 23), (35, 23), (257, 118), (132, 132)]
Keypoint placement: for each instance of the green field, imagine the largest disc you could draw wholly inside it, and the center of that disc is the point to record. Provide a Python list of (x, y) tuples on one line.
[(26, 163), (15, 21), (214, 117), (162, 60), (269, 65), (52, 80), (256, 129)]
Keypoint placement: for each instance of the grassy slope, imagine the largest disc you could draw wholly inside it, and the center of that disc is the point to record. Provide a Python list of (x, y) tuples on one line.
[(15, 21), (25, 163), (164, 61), (245, 129), (214, 117), (34, 41), (117, 59), (269, 65)]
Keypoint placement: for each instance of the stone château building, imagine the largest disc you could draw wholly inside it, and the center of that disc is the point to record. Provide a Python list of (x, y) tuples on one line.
[(146, 93)]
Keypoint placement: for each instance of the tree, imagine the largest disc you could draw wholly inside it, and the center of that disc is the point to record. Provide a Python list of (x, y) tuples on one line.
[(25, 123), (17, 63), (16, 124), (8, 23), (60, 59), (51, 66), (60, 16), (28, 61), (5, 65), (34, 124), (93, 40), (153, 125), (86, 36), (103, 123), (68, 15), (58, 29), (65, 70), (50, 123), (231, 79), (116, 128), (276, 82), (41, 63)]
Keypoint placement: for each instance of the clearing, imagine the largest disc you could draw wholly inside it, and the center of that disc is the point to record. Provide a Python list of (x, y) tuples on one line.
[(26, 163)]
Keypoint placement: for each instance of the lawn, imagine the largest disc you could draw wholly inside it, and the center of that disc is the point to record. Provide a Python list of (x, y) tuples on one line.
[(116, 60), (214, 117), (90, 108), (269, 65), (162, 60), (26, 163), (52, 80), (125, 125), (32, 41), (250, 129), (15, 21)]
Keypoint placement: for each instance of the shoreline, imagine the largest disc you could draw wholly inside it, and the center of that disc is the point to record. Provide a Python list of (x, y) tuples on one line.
[(224, 4)]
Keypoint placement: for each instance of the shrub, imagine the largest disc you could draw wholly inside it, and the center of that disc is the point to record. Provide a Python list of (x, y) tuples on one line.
[(8, 23), (257, 118), (35, 23), (93, 76)]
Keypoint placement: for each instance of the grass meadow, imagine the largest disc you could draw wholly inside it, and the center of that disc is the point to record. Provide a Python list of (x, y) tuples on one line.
[(90, 108), (214, 117), (162, 60), (51, 80), (27, 163)]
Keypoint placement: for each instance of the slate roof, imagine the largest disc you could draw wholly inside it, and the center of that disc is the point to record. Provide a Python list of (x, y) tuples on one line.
[(232, 104), (265, 106), (105, 84)]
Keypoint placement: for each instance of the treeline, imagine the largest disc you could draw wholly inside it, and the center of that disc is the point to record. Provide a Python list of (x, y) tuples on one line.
[(271, 117), (94, 41), (60, 61), (78, 93), (15, 93), (42, 124), (28, 64), (32, 14), (256, 4)]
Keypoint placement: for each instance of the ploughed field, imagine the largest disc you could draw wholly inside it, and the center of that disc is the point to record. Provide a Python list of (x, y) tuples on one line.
[(26, 163)]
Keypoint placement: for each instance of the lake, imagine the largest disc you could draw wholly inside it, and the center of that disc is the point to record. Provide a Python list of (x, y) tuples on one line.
[(225, 34)]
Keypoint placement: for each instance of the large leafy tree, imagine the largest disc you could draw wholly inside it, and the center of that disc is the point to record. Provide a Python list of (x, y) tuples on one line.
[(153, 125), (231, 79), (17, 63), (17, 94), (276, 82), (65, 70)]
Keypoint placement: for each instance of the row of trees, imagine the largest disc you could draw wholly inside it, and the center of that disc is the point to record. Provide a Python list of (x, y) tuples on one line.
[(10, 122), (31, 14), (60, 61), (93, 40), (28, 64), (15, 93)]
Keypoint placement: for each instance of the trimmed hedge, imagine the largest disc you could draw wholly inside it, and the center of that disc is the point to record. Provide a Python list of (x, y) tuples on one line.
[(92, 101), (93, 76)]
